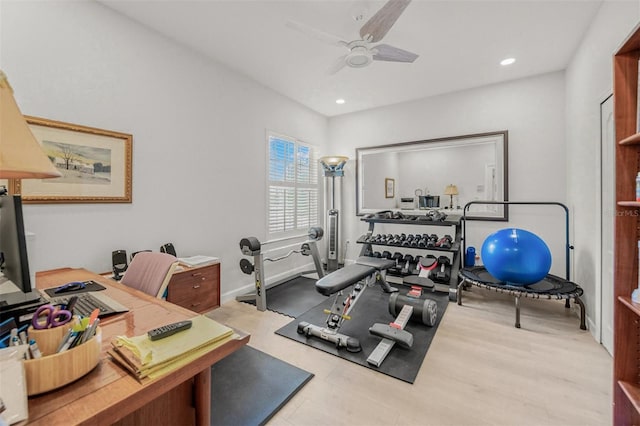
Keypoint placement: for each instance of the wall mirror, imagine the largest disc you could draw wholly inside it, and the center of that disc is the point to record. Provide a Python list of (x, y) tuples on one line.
[(444, 173)]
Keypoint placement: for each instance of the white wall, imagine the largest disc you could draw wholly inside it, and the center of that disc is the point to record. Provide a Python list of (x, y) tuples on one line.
[(374, 183), (589, 79), (431, 170), (532, 110), (198, 135)]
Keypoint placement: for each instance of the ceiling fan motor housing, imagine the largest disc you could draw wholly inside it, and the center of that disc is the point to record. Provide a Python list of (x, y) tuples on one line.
[(359, 57)]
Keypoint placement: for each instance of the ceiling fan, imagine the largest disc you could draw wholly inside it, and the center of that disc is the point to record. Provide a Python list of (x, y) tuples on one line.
[(363, 51)]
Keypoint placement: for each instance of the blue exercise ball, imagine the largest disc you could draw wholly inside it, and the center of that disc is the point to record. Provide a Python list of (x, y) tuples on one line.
[(516, 256)]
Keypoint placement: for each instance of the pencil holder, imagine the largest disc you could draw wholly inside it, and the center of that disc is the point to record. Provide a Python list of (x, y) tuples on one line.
[(48, 339), (54, 370)]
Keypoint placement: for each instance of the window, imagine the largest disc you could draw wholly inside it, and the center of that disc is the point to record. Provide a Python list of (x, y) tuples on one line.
[(292, 192)]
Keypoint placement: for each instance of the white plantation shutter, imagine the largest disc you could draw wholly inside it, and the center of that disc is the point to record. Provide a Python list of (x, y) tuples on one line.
[(292, 185)]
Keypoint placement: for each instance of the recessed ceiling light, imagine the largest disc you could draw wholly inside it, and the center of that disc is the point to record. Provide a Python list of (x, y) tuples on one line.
[(507, 61), (339, 101)]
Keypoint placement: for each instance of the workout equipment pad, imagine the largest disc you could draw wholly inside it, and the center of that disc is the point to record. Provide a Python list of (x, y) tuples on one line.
[(249, 386), (293, 297), (372, 307)]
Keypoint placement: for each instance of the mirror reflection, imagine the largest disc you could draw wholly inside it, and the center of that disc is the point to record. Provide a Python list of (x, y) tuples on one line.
[(443, 173)]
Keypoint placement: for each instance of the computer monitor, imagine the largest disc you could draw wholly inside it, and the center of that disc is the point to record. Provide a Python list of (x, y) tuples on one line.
[(13, 254)]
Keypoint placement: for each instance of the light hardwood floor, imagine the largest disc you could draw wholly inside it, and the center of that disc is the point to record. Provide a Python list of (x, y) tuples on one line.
[(479, 370)]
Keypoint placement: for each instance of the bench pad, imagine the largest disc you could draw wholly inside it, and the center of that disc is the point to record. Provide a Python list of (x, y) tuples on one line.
[(376, 262), (343, 278)]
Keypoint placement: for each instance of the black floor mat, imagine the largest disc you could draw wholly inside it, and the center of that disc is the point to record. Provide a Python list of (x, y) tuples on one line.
[(372, 307), (294, 297), (249, 386)]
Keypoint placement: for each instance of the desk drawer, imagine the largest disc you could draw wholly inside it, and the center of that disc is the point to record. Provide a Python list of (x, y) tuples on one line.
[(197, 289)]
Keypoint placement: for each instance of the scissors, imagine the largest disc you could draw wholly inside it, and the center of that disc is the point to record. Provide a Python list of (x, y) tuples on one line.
[(54, 317)]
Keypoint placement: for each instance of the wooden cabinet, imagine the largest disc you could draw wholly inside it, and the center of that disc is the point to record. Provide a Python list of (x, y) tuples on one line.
[(196, 288), (626, 355)]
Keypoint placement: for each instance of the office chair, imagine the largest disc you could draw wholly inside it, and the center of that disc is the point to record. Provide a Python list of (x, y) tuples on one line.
[(150, 272), (168, 248), (136, 252)]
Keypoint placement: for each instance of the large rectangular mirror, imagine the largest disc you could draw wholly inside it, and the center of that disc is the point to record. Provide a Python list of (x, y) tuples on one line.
[(443, 173)]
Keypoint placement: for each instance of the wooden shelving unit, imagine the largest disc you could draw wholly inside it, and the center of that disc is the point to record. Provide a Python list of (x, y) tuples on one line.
[(626, 360), (629, 203), (631, 140)]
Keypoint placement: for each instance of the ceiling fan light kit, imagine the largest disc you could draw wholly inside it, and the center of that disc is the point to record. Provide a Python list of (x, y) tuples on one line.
[(359, 57), (362, 51)]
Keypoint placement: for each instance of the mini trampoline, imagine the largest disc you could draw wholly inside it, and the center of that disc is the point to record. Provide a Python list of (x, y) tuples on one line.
[(550, 287)]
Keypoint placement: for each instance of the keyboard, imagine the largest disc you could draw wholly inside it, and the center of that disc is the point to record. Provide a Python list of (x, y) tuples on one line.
[(89, 301)]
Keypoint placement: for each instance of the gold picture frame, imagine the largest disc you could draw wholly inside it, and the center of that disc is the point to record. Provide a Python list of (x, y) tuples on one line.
[(389, 188), (95, 163)]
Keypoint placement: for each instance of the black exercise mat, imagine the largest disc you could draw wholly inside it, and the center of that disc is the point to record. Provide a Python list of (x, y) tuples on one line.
[(249, 386), (89, 286), (293, 297), (372, 307)]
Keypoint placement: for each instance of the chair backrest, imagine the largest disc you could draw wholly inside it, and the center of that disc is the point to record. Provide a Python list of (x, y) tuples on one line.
[(150, 272)]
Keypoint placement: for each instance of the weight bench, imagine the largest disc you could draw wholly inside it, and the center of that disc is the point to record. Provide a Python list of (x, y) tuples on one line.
[(370, 269)]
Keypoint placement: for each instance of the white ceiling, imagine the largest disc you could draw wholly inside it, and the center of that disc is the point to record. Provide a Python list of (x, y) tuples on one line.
[(460, 43)]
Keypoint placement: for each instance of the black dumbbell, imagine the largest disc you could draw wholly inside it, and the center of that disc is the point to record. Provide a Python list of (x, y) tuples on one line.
[(444, 242), (407, 260), (386, 254), (415, 242), (416, 263), (432, 240), (442, 273)]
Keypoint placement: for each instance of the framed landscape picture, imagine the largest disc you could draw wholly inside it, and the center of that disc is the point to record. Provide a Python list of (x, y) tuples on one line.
[(95, 164)]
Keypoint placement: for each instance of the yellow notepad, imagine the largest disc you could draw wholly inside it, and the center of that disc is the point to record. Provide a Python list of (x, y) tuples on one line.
[(145, 354)]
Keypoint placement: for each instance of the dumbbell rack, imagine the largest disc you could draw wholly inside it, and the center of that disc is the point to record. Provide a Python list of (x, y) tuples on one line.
[(452, 222)]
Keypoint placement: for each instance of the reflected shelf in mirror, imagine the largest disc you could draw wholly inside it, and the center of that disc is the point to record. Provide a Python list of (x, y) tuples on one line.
[(428, 171)]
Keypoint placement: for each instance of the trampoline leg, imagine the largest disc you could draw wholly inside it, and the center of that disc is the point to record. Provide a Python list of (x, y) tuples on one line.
[(583, 325), (566, 303), (459, 292), (517, 311)]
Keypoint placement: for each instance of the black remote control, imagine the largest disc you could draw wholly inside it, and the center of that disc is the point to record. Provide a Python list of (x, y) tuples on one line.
[(168, 330)]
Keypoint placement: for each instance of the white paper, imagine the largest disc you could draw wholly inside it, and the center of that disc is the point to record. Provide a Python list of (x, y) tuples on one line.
[(197, 260), (13, 384)]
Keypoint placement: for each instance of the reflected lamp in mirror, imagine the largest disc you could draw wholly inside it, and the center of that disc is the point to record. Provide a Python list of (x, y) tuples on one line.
[(21, 156), (451, 190), (333, 165)]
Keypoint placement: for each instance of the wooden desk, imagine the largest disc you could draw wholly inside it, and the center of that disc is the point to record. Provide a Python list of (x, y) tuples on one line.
[(108, 394)]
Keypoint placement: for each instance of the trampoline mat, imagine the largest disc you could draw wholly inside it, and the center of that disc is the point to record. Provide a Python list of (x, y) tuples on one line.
[(550, 285)]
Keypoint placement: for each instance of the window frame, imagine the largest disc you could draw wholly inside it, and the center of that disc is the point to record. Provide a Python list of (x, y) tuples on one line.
[(314, 185)]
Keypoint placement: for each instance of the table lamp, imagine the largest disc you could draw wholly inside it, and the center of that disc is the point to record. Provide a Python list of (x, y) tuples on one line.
[(451, 190), (21, 156)]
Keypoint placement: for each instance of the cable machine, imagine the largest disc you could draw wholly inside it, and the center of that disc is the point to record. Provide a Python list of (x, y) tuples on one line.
[(333, 166)]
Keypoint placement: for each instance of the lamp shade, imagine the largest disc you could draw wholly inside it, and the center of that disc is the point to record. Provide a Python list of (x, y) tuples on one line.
[(333, 165), (333, 160), (21, 156), (451, 190)]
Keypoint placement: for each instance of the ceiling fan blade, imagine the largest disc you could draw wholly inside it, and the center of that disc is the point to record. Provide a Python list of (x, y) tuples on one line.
[(317, 34), (384, 52), (380, 23), (337, 65)]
